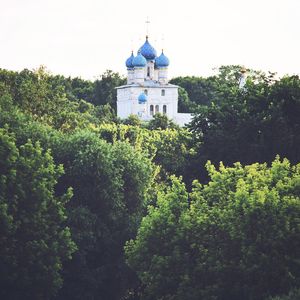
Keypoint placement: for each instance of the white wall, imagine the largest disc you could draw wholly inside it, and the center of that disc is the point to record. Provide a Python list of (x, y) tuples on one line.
[(127, 100), (139, 74), (182, 119), (130, 76)]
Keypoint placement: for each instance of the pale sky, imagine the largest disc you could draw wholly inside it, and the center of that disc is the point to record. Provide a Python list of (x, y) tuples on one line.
[(86, 37)]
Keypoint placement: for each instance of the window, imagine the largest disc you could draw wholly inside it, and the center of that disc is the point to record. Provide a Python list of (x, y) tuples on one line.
[(156, 109), (165, 109), (151, 110), (163, 92), (148, 71), (146, 92)]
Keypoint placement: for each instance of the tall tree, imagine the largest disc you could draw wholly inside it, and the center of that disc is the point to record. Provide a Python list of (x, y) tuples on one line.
[(105, 92), (250, 125), (110, 193), (34, 240), (235, 238)]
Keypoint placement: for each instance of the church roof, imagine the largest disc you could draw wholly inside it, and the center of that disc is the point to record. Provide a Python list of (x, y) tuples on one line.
[(129, 61), (139, 60), (147, 50), (162, 61)]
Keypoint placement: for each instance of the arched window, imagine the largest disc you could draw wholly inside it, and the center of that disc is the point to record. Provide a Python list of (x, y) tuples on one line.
[(148, 71), (156, 109), (146, 92), (165, 109), (151, 110), (163, 92)]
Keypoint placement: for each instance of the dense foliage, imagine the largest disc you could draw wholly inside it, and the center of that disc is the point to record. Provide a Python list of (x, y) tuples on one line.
[(234, 238), (292, 295), (34, 239), (250, 125), (110, 191), (77, 183)]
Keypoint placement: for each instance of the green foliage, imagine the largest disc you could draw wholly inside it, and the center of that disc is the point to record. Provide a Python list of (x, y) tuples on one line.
[(76, 88), (110, 184), (252, 125), (170, 148), (194, 91), (154, 255), (292, 295), (237, 237), (34, 240), (161, 121), (110, 192), (99, 92), (60, 102), (133, 120), (105, 91), (185, 105)]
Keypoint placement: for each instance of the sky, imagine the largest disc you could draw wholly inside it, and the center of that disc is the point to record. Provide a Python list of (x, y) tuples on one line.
[(84, 38)]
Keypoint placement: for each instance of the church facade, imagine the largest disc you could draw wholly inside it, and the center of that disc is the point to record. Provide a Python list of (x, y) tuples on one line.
[(148, 91)]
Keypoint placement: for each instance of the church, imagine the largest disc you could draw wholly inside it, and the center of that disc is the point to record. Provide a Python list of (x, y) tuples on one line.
[(148, 91)]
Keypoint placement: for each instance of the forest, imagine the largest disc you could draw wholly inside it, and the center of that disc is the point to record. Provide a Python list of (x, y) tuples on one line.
[(94, 207)]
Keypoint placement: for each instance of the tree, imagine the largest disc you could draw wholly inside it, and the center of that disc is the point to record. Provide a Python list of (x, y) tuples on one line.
[(133, 120), (169, 148), (162, 122), (110, 183), (62, 103), (252, 125), (185, 105), (105, 91), (34, 240), (235, 238), (194, 91), (155, 253), (292, 295)]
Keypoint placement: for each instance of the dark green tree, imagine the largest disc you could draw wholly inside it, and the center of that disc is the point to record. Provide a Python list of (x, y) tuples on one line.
[(194, 91), (292, 295), (110, 193), (250, 125), (161, 121), (34, 240), (62, 103), (105, 92), (185, 105)]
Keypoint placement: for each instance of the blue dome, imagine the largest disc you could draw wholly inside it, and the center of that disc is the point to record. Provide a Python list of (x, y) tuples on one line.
[(142, 98), (129, 61), (139, 61), (148, 51), (162, 61)]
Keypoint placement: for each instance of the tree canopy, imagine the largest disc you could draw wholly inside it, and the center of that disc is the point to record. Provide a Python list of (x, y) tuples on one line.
[(77, 185), (34, 240), (235, 238)]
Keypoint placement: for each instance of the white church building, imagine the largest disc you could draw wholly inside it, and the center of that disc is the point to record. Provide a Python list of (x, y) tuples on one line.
[(147, 91)]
